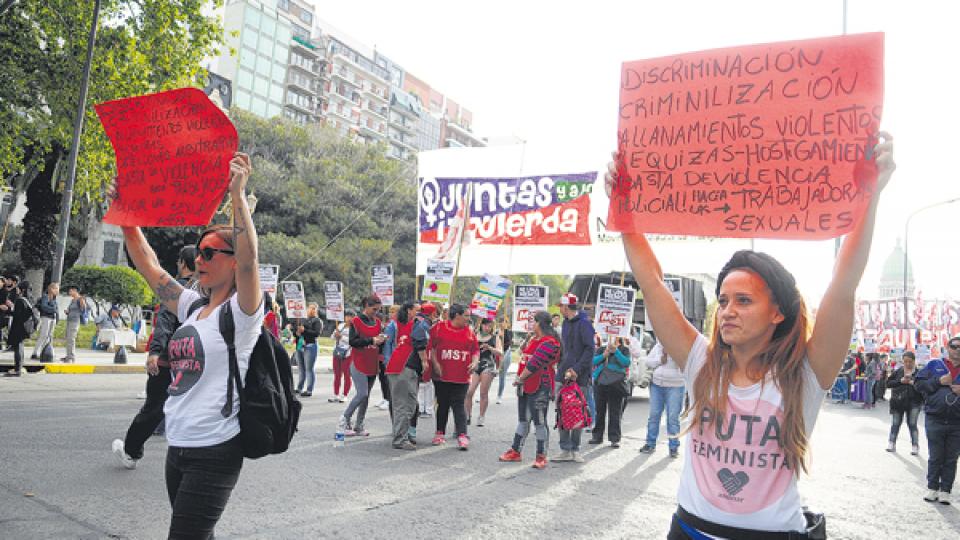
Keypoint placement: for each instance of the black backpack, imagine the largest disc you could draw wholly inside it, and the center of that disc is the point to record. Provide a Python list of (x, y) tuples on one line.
[(269, 410)]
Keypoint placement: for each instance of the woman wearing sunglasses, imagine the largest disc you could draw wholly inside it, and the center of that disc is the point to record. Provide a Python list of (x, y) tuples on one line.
[(204, 456), (757, 381)]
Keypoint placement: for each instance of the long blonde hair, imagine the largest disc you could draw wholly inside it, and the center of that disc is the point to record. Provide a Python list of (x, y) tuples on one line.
[(782, 360)]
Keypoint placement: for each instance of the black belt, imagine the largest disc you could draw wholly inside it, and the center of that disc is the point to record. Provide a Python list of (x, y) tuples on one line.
[(816, 530)]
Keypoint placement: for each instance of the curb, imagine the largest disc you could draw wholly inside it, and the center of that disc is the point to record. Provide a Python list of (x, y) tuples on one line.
[(87, 369)]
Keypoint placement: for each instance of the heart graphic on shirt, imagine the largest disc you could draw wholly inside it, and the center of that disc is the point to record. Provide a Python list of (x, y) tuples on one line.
[(733, 482)]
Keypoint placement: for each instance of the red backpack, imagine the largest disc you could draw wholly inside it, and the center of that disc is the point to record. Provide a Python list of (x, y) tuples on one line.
[(572, 409)]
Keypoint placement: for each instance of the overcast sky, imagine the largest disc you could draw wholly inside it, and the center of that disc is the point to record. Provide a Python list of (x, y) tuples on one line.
[(548, 72)]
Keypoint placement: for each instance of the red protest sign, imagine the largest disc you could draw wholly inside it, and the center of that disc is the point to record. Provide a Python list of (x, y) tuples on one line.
[(763, 141), (173, 158)]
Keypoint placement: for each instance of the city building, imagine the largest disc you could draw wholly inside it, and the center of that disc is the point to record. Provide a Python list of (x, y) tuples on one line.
[(306, 67), (891, 279), (260, 36), (445, 121)]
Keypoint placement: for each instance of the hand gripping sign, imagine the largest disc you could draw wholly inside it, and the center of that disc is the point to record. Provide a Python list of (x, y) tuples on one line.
[(173, 158), (762, 141)]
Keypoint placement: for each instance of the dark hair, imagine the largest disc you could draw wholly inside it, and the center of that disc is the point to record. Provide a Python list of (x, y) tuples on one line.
[(544, 320), (909, 354), (402, 313), (371, 300), (780, 281), (24, 287), (14, 278), (350, 313), (188, 256), (456, 309), (267, 303)]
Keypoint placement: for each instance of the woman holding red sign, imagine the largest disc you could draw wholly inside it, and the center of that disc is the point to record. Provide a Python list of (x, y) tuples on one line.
[(757, 382), (454, 353), (204, 456)]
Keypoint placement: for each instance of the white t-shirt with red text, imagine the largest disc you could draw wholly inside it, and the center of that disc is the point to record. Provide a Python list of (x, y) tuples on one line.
[(199, 367), (733, 471)]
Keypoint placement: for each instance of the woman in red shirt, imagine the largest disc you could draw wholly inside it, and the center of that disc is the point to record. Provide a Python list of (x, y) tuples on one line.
[(454, 353), (535, 376)]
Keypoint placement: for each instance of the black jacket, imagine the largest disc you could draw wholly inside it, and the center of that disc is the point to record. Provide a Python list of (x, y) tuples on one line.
[(22, 311), (939, 403), (903, 397), (164, 325), (312, 327)]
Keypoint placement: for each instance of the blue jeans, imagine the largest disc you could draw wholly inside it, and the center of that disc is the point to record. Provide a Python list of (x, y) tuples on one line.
[(897, 416), (868, 397), (670, 397), (943, 444), (591, 403), (306, 361), (504, 369), (570, 438)]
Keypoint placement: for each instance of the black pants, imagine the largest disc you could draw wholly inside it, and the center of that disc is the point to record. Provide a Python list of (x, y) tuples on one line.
[(384, 385), (451, 396), (608, 398), (150, 415), (17, 356), (199, 483)]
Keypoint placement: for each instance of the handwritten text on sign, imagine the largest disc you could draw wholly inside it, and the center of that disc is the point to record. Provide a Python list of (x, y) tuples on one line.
[(173, 158), (767, 140)]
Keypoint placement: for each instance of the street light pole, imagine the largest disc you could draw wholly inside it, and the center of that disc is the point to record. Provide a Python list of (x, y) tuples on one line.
[(906, 233), (67, 203)]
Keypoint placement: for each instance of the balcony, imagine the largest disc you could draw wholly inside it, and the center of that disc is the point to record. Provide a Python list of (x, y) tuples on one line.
[(305, 47), (336, 92), (380, 114), (308, 110), (345, 117), (376, 133), (347, 60), (403, 125), (310, 87), (408, 144), (368, 90), (345, 76)]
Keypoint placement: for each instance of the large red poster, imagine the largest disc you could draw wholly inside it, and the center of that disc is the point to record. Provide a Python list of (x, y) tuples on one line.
[(173, 158), (762, 141)]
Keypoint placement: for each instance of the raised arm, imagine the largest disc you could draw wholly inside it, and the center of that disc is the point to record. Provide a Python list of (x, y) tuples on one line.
[(831, 331), (244, 237), (145, 260), (676, 333)]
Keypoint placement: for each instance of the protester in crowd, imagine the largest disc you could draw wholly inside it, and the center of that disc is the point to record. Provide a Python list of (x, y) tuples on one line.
[(491, 352), (204, 455), (611, 365), (849, 373), (425, 391), (577, 337), (21, 313), (388, 346), (666, 392), (454, 353), (534, 383), (761, 361), (286, 335), (905, 400), (47, 309), (941, 407), (870, 373), (309, 329), (507, 334), (150, 419), (341, 358), (366, 337), (557, 321), (110, 320), (271, 319), (406, 365), (74, 312), (880, 389), (8, 297)]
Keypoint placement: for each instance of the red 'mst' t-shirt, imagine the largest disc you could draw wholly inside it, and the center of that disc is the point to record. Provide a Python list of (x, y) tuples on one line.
[(454, 349)]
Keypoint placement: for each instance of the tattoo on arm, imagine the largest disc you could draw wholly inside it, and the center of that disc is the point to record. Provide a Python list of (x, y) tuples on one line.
[(168, 290)]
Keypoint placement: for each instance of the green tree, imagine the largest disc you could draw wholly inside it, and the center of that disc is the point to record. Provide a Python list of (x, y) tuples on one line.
[(142, 46), (112, 284)]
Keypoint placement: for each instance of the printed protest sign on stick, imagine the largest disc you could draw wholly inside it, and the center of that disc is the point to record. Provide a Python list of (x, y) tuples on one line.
[(333, 297), (490, 293), (437, 281), (173, 158), (614, 313), (527, 301), (381, 280), (269, 277), (294, 300), (762, 141)]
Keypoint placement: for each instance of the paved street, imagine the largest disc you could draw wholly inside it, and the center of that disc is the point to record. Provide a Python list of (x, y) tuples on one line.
[(59, 479)]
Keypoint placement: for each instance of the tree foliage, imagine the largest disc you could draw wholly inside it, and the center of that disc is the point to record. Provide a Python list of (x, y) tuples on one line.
[(113, 284)]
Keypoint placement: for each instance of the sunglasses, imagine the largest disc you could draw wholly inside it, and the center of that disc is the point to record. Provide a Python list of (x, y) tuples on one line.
[(207, 253), (955, 346)]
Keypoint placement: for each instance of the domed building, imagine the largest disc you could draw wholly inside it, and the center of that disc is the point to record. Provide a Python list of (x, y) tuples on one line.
[(891, 280)]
